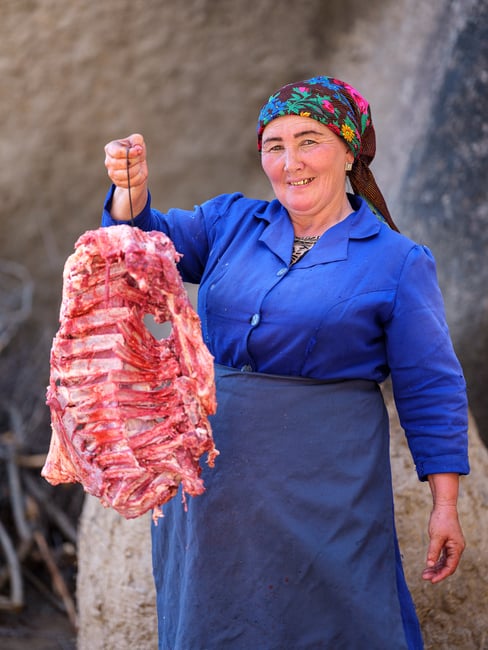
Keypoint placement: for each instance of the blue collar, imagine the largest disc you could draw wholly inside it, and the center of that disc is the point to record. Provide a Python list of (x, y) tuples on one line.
[(332, 246)]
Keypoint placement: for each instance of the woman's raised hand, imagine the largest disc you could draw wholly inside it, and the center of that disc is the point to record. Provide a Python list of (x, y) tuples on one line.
[(126, 164)]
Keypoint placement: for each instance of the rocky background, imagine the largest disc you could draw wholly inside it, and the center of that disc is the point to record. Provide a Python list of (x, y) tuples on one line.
[(191, 77)]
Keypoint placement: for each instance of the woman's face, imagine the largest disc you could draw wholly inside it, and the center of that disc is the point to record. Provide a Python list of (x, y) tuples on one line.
[(305, 164)]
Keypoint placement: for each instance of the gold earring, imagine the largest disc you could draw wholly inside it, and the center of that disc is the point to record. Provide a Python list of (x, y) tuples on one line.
[(348, 166)]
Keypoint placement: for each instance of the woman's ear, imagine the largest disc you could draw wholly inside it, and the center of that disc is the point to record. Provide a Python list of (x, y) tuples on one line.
[(349, 160)]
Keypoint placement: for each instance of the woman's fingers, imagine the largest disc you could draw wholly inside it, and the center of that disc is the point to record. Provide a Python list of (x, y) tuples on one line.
[(446, 544), (125, 161), (117, 149)]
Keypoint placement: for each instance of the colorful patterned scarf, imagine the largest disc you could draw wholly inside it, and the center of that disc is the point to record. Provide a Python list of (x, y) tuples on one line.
[(344, 111)]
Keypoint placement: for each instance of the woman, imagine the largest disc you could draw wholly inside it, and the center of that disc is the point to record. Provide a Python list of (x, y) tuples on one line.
[(307, 302)]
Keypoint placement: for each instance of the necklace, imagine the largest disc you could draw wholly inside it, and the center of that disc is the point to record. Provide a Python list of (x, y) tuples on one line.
[(301, 245)]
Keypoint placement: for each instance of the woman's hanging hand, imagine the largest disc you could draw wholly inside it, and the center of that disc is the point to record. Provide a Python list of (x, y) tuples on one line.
[(446, 536), (126, 164)]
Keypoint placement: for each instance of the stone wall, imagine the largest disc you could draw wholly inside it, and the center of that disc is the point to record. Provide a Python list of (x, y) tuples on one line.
[(191, 77)]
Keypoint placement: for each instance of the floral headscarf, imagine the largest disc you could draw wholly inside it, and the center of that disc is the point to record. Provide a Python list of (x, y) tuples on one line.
[(344, 111)]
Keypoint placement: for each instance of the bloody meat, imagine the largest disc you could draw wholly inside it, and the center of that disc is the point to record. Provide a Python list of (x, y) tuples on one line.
[(129, 412)]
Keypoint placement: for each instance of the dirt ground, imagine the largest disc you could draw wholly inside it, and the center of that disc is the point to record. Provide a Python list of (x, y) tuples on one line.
[(39, 626)]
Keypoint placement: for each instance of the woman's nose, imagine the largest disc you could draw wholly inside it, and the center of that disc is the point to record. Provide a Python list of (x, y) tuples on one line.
[(292, 160)]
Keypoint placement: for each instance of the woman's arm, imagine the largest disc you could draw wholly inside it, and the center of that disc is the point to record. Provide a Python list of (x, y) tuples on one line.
[(446, 537), (116, 153)]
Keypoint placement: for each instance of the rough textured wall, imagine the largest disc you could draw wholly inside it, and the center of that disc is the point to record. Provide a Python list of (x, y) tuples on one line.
[(191, 77), (446, 200), (117, 599), (427, 81)]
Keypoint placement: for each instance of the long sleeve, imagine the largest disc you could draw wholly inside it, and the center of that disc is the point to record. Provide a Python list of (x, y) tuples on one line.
[(428, 383), (186, 228)]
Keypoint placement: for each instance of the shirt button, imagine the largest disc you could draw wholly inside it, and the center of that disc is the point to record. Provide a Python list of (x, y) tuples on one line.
[(282, 271), (255, 320)]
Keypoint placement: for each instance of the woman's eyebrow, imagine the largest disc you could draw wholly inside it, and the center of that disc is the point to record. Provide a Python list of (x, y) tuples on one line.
[(272, 139), (300, 134), (307, 132)]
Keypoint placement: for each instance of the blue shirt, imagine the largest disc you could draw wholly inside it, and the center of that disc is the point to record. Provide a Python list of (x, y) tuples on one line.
[(363, 303)]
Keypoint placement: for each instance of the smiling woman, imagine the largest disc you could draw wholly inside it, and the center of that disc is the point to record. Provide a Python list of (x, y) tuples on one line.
[(307, 303), (341, 108), (305, 162)]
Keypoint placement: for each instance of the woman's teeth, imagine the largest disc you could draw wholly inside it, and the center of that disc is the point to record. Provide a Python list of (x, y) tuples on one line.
[(304, 181)]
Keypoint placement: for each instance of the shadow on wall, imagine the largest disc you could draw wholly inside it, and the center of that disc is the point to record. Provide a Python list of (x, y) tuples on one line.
[(446, 202)]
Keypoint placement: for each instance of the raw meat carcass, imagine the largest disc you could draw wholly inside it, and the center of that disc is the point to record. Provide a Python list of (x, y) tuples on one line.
[(129, 412)]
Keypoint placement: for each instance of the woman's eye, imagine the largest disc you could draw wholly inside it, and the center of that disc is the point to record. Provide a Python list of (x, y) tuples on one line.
[(274, 148), (308, 142)]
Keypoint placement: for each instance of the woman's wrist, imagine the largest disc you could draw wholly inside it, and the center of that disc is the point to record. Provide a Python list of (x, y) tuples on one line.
[(120, 209), (445, 489)]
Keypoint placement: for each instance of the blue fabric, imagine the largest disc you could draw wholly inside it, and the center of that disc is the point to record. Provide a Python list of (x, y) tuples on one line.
[(363, 303), (292, 546)]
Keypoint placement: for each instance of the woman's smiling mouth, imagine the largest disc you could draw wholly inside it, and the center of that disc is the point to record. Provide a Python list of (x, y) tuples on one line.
[(303, 181)]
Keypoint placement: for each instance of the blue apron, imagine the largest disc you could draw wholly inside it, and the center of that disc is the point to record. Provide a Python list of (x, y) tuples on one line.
[(293, 544)]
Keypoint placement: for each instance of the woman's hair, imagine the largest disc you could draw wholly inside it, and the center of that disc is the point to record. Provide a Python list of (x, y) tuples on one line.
[(342, 109)]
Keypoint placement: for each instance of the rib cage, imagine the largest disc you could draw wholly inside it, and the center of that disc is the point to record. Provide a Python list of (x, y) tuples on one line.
[(128, 412)]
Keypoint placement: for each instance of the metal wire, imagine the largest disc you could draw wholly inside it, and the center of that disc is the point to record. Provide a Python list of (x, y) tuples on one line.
[(128, 186)]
